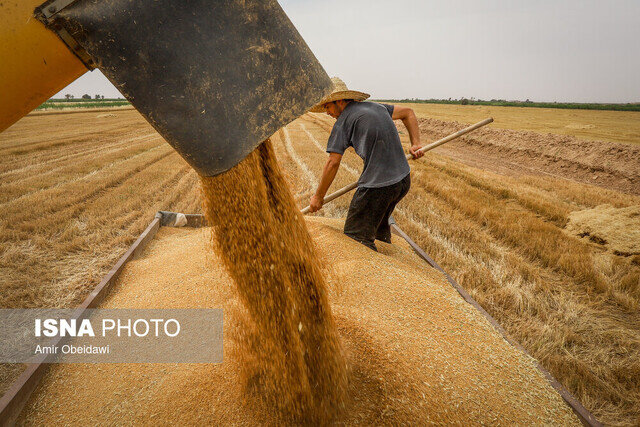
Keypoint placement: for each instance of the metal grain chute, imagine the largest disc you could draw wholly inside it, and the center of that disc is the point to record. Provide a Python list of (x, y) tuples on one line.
[(215, 79)]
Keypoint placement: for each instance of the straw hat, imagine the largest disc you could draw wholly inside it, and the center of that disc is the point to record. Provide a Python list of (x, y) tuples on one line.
[(340, 91)]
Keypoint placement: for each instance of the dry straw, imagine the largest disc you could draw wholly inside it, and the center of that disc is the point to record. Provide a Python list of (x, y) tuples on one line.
[(615, 228)]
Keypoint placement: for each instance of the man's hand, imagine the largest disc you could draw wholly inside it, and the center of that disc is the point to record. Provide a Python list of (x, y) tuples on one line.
[(408, 117), (414, 151), (315, 204), (328, 174)]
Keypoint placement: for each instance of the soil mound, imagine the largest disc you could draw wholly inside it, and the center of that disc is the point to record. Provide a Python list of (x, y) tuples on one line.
[(607, 164)]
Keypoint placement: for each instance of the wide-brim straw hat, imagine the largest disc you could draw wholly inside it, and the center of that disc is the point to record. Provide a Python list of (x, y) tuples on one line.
[(340, 91)]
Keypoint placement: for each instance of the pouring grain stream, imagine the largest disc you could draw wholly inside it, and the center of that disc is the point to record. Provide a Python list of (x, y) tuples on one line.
[(289, 341), (290, 352)]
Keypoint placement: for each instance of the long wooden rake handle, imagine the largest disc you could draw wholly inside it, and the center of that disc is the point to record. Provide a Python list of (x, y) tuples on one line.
[(431, 146)]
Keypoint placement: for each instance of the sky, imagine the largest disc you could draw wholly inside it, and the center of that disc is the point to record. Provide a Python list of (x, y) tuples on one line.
[(542, 50)]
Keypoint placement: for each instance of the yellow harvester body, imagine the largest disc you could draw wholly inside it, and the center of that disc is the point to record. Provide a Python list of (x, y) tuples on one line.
[(34, 63)]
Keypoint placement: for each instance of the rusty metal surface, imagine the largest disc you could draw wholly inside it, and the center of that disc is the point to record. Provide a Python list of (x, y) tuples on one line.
[(215, 79)]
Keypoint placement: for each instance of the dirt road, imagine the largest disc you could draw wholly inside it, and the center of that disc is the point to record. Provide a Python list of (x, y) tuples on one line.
[(605, 164)]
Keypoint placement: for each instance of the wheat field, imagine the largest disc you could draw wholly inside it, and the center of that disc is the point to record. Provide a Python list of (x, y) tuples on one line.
[(613, 126), (77, 189)]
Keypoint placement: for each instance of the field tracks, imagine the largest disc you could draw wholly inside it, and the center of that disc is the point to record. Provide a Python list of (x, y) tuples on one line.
[(94, 172), (344, 165), (90, 185), (103, 148), (72, 170), (58, 136), (311, 180)]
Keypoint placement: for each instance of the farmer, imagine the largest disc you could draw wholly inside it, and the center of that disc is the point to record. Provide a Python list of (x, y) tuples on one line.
[(368, 128)]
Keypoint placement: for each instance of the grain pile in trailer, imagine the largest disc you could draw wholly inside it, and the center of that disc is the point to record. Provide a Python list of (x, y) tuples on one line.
[(415, 351)]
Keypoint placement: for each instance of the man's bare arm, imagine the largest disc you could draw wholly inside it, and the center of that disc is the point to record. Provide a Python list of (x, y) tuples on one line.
[(328, 175), (410, 121)]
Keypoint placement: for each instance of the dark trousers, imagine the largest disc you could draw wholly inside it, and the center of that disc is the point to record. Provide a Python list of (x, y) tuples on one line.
[(369, 211)]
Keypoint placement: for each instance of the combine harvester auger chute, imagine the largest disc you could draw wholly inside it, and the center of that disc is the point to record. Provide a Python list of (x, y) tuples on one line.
[(215, 79)]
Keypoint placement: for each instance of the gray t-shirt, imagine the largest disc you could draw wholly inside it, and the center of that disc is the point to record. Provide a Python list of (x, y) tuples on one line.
[(369, 129)]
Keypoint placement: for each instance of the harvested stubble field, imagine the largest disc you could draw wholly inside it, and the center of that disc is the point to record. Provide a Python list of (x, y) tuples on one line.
[(77, 189), (611, 126), (572, 302)]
